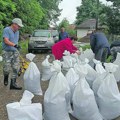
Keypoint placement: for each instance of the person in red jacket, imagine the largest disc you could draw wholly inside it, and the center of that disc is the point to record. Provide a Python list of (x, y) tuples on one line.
[(66, 44)]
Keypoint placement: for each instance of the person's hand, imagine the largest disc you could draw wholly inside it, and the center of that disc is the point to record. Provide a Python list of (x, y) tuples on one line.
[(78, 52), (17, 47)]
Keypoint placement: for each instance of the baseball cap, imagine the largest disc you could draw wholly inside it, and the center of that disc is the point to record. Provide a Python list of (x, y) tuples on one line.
[(18, 21)]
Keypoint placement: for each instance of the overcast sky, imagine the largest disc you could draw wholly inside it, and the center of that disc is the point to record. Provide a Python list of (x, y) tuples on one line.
[(69, 9)]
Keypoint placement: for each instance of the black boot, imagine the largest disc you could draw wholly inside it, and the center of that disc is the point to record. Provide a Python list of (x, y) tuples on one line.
[(13, 85), (6, 79)]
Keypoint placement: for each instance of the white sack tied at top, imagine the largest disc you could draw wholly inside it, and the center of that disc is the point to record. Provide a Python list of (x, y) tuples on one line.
[(32, 77), (57, 96), (25, 109), (46, 69), (84, 104), (108, 94)]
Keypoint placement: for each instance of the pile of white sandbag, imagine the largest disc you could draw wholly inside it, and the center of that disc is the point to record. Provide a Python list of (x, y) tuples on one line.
[(93, 92)]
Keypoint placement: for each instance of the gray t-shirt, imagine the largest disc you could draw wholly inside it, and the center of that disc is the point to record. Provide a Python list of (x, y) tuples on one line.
[(12, 36)]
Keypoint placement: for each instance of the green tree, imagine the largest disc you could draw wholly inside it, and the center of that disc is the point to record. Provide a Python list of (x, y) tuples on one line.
[(30, 12), (7, 8), (89, 10), (65, 23), (51, 11)]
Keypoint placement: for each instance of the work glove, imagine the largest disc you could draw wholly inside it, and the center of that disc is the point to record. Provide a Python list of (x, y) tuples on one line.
[(17, 47)]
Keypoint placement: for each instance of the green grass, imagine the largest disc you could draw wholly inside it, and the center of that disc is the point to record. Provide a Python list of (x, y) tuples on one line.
[(85, 47), (24, 46)]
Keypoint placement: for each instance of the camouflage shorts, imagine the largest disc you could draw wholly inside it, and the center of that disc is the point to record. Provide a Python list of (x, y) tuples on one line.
[(11, 62)]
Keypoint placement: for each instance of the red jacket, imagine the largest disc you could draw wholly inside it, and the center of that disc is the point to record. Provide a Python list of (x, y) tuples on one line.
[(59, 48)]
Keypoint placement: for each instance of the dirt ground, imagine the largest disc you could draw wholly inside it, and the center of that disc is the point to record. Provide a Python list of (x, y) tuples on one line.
[(8, 96)]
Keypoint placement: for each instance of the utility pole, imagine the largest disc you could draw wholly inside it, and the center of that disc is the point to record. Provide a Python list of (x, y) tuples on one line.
[(97, 14)]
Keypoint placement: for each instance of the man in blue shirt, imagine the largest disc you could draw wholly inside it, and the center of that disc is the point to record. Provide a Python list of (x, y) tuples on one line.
[(99, 45), (10, 52), (63, 35)]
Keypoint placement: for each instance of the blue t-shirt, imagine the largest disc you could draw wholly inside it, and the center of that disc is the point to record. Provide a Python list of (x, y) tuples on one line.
[(12, 36), (63, 35)]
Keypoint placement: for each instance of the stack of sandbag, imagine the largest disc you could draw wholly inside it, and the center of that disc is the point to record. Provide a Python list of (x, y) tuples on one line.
[(32, 77), (108, 94), (57, 96), (46, 69), (84, 104), (25, 109), (117, 73)]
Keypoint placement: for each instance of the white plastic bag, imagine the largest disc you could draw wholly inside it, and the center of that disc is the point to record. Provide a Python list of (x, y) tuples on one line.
[(32, 79), (57, 96), (117, 73), (108, 94), (46, 69), (23, 110), (84, 104)]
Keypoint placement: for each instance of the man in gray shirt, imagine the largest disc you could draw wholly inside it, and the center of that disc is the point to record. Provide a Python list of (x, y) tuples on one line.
[(10, 52)]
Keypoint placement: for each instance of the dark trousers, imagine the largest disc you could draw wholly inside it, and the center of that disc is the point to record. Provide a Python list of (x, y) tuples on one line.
[(101, 54)]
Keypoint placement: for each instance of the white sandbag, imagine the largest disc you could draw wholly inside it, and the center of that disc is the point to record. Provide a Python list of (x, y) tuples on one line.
[(108, 94), (1, 58), (89, 54), (57, 96), (30, 56), (26, 98), (24, 111), (84, 104), (91, 75), (32, 79), (46, 69), (99, 68), (76, 56), (117, 73), (72, 78), (101, 74), (68, 61)]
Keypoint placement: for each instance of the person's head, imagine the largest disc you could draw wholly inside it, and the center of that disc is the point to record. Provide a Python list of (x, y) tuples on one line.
[(16, 24), (73, 39), (62, 29)]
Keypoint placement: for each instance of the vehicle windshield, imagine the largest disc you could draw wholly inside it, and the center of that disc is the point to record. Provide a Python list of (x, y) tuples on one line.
[(55, 33), (42, 34)]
